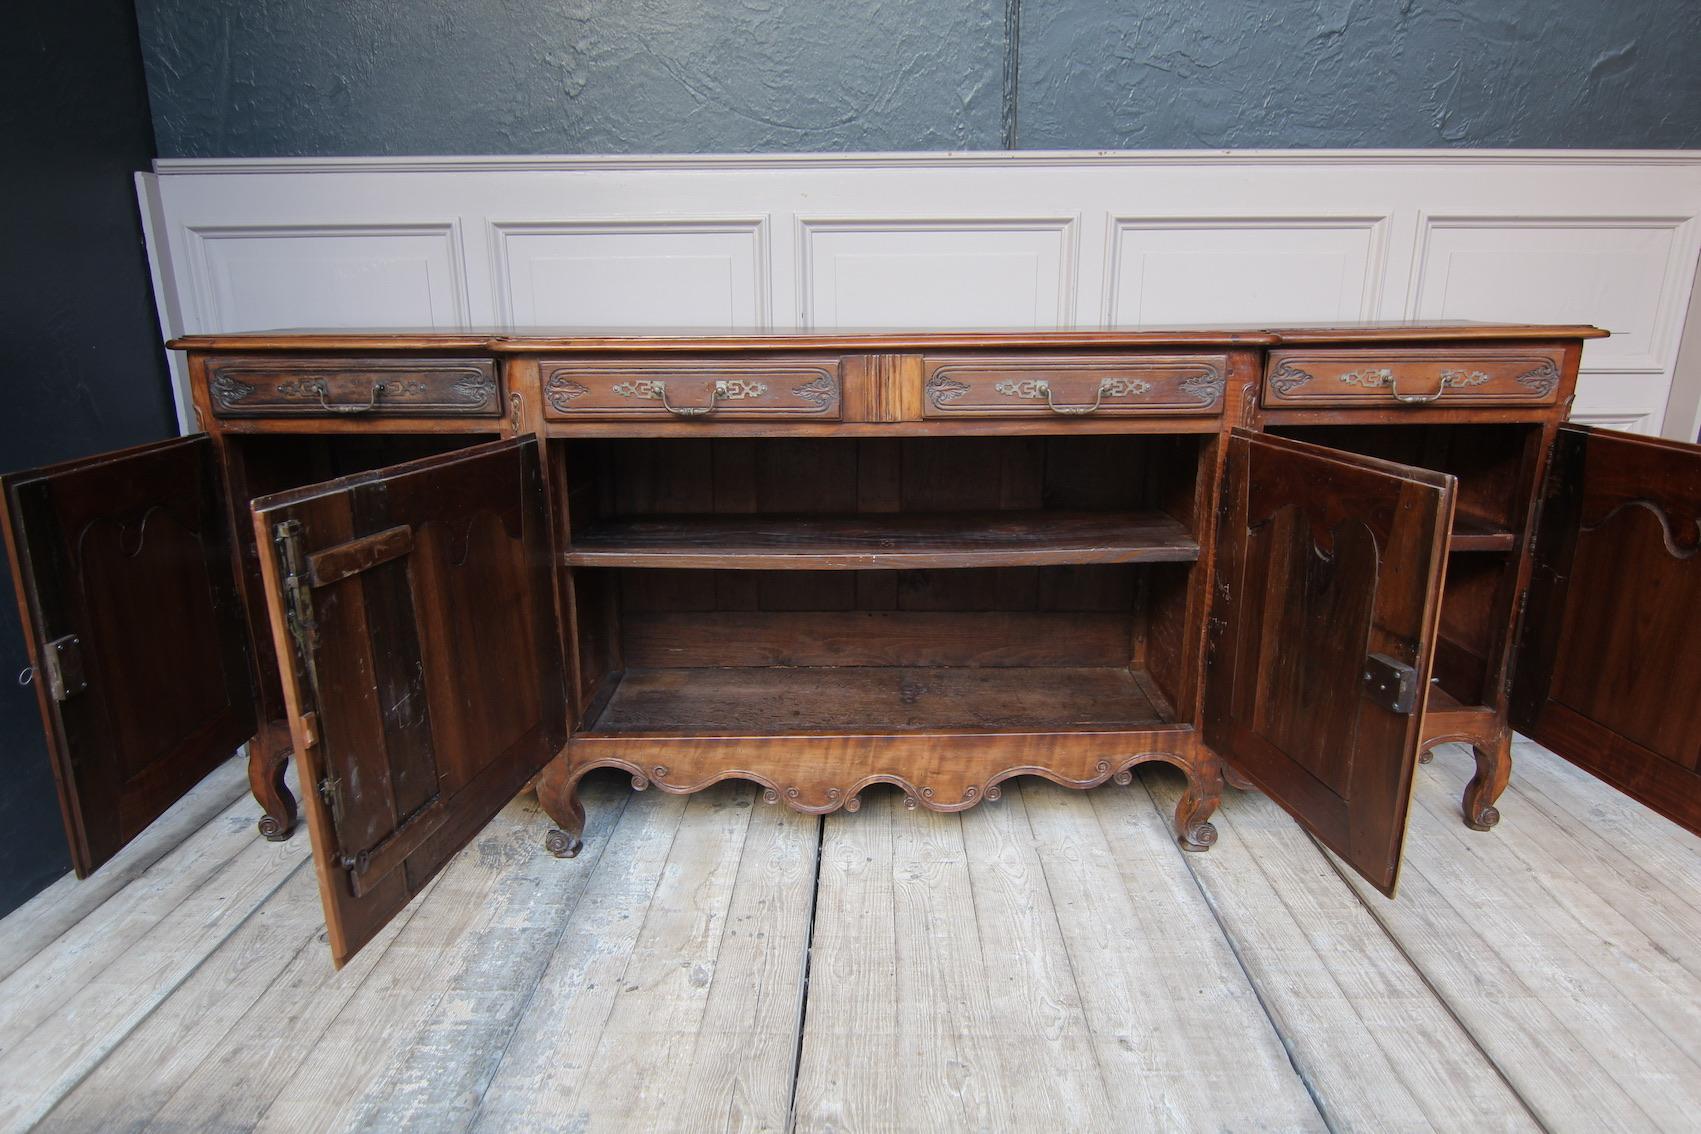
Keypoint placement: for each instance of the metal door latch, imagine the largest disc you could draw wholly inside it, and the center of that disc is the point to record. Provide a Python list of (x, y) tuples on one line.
[(1391, 684), (63, 661)]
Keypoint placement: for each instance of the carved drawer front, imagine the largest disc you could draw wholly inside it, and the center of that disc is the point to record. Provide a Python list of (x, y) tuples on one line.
[(1373, 379), (375, 387), (706, 390), (1058, 385)]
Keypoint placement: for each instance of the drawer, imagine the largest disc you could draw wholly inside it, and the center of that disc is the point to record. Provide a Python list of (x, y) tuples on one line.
[(1071, 385), (326, 387), (1379, 379), (759, 389)]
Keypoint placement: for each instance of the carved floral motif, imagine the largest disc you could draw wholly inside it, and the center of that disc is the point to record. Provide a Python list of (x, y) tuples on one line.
[(1544, 379), (1206, 387), (1286, 378), (819, 391), (473, 389), (227, 391), (561, 390), (940, 390)]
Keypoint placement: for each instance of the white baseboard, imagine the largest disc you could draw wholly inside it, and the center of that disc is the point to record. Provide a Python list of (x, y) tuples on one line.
[(989, 239)]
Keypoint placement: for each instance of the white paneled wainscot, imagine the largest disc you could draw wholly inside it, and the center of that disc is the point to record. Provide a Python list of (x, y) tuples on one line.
[(975, 240)]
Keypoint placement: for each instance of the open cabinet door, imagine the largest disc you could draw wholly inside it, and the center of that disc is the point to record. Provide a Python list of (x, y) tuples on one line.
[(1609, 666), (1326, 597), (126, 587), (413, 615)]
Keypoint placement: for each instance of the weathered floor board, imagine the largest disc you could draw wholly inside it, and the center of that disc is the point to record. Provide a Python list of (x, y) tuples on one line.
[(1591, 1021), (1049, 961), (1375, 1046)]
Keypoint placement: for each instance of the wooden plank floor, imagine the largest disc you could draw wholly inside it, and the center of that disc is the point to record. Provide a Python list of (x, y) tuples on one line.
[(1051, 961)]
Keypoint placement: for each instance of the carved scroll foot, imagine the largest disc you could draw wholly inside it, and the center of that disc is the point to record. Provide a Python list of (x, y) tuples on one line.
[(558, 794), (1237, 781), (1198, 804), (1494, 769), (1427, 756), (268, 760)]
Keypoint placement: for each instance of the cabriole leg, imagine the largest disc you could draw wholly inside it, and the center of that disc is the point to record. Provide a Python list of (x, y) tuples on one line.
[(1494, 768), (268, 760), (1199, 803), (558, 793)]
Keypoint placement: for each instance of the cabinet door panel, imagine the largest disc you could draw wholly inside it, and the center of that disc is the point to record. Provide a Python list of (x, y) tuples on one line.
[(1326, 596), (414, 620), (1609, 668), (126, 586)]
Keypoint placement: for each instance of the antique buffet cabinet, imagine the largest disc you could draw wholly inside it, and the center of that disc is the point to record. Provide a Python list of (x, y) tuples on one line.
[(440, 567)]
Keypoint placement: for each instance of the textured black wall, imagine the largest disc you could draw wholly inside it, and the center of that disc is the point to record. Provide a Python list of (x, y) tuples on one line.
[(292, 77), (79, 342)]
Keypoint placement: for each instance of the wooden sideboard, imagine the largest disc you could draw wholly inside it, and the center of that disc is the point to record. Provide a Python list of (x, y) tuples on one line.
[(438, 567)]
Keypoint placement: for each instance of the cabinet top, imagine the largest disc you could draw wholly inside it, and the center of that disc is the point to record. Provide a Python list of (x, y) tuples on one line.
[(526, 340)]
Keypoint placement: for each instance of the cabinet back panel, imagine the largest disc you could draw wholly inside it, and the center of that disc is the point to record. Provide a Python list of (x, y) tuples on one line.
[(846, 475), (995, 617), (1475, 603), (1490, 461)]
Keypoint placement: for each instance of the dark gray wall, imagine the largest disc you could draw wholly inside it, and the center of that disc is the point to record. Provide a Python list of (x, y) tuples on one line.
[(79, 340), (303, 77), (1244, 73), (267, 77)]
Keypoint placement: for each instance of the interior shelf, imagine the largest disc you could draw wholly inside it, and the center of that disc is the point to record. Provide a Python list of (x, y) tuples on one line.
[(859, 698), (893, 540), (1472, 534)]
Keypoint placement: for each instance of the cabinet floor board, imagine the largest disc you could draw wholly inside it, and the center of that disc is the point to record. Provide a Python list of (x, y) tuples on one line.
[(781, 699), (1049, 960)]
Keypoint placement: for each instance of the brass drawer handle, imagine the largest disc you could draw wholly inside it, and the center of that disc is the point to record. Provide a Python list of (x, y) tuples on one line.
[(1414, 399), (1034, 387), (1098, 399), (371, 401), (688, 411)]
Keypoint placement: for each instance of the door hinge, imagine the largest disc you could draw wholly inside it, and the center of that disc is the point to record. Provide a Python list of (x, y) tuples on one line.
[(63, 661), (1517, 639), (1214, 628), (297, 591), (1391, 684), (330, 790)]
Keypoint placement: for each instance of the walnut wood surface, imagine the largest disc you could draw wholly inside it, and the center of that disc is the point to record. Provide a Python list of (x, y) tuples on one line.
[(429, 691), (1611, 673), (890, 541), (941, 770), (1324, 560), (1415, 375), (1472, 534), (1025, 592), (128, 556), (761, 388), (507, 339), (840, 698), (1050, 385), (381, 386)]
